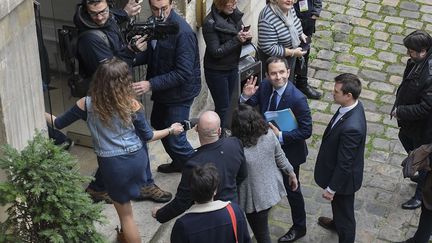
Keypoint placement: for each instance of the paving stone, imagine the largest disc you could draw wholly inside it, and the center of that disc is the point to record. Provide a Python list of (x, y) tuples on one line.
[(360, 21), (373, 117), (389, 11), (336, 8), (318, 105), (326, 54), (321, 64), (359, 4), (368, 94), (409, 5), (373, 75), (381, 86), (347, 69), (394, 29), (428, 27), (323, 24), (398, 39), (362, 31), (380, 143), (344, 28), (381, 45), (390, 234), (323, 33), (342, 47), (395, 69), (385, 183), (393, 3), (388, 121), (323, 43), (426, 8), (388, 98), (347, 58), (321, 117), (387, 56), (393, 20), (372, 7), (409, 14), (380, 35), (342, 18), (392, 132), (377, 209), (373, 16), (396, 80), (372, 1), (372, 64), (354, 12), (427, 18), (328, 86), (385, 108), (399, 49), (364, 51), (375, 128), (325, 15), (341, 37), (369, 105)]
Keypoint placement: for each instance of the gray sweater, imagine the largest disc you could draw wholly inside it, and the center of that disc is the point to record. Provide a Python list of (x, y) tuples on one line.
[(263, 188)]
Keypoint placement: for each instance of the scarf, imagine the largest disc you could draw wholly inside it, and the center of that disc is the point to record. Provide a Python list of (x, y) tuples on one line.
[(289, 22)]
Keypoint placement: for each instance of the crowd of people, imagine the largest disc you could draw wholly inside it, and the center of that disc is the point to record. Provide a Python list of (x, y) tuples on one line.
[(229, 182)]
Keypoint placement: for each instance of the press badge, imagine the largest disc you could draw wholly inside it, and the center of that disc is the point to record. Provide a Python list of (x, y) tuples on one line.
[(303, 4)]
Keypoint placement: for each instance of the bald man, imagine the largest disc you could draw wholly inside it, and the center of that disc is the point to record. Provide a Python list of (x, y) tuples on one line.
[(225, 153)]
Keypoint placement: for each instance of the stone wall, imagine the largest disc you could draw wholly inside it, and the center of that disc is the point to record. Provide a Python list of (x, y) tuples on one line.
[(21, 98)]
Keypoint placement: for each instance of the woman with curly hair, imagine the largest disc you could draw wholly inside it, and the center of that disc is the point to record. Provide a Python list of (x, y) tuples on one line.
[(119, 132), (265, 159)]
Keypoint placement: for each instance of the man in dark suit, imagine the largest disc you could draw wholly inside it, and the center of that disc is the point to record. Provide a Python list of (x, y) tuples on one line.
[(277, 93), (340, 160)]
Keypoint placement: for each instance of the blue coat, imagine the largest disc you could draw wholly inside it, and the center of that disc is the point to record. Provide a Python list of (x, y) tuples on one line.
[(294, 144), (340, 160), (174, 65)]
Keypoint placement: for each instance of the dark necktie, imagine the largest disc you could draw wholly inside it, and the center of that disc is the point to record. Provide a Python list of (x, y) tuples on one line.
[(273, 101), (334, 118)]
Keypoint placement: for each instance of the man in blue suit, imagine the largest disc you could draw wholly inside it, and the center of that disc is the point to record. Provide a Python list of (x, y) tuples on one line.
[(277, 93), (340, 160)]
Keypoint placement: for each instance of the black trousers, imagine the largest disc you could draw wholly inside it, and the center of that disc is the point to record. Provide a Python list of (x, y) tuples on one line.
[(296, 201), (424, 229), (343, 217), (409, 142), (258, 222)]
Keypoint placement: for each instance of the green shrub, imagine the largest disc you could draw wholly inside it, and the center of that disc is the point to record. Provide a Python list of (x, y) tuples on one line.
[(44, 195)]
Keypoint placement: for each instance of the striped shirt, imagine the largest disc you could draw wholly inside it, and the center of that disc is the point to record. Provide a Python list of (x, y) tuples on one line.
[(273, 35)]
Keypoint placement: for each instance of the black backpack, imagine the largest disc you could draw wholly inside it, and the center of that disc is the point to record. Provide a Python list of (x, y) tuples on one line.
[(68, 41)]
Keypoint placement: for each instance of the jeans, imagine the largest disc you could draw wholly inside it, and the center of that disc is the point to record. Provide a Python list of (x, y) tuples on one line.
[(221, 84), (258, 222), (177, 147)]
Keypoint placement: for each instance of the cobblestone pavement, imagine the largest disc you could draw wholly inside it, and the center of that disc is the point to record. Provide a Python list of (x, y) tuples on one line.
[(363, 37)]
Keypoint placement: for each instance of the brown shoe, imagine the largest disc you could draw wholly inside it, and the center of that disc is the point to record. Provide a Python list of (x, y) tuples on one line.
[(120, 236), (153, 192), (99, 196), (327, 223)]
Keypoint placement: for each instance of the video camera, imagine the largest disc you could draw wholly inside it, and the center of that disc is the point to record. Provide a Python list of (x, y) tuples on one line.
[(155, 28)]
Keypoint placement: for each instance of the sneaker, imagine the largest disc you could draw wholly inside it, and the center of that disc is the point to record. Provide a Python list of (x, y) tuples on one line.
[(154, 193), (99, 196)]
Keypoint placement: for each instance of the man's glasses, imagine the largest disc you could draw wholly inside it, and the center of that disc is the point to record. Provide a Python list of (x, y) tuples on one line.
[(103, 12)]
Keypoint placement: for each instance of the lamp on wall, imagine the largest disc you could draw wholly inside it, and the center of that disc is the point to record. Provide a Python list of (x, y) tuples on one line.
[(200, 12)]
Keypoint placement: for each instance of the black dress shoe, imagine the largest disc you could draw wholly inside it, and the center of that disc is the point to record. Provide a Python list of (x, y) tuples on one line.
[(327, 223), (310, 92), (168, 168), (413, 203), (292, 235)]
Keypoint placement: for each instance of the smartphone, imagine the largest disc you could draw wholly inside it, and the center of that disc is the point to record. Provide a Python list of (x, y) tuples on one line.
[(246, 28)]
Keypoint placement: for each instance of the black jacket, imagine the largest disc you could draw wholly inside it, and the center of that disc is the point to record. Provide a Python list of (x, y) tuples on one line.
[(414, 99), (222, 45), (228, 157), (92, 49), (174, 65)]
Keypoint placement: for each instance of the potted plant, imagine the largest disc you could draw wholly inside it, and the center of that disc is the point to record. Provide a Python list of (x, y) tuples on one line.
[(44, 196)]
